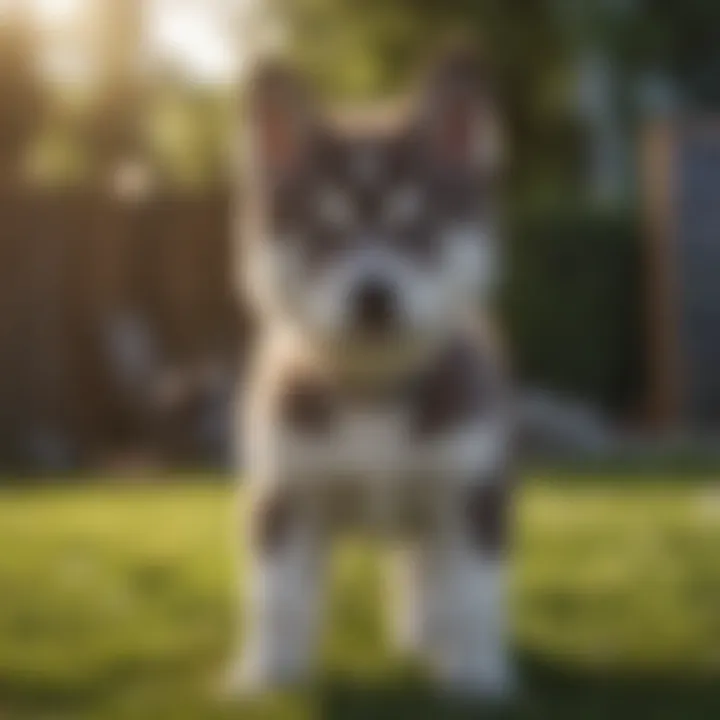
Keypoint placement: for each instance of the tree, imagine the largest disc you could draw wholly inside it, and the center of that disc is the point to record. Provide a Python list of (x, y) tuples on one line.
[(114, 129), (21, 90), (367, 48)]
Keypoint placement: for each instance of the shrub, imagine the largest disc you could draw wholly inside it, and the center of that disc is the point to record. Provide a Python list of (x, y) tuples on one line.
[(573, 301)]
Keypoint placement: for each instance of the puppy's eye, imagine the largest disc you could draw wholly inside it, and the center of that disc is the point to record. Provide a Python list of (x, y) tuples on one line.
[(403, 207), (335, 209)]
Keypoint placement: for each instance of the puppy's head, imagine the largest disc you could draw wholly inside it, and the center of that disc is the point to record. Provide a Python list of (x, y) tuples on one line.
[(371, 241)]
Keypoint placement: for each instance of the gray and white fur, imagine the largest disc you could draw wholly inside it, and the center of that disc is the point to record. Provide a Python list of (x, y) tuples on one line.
[(376, 400)]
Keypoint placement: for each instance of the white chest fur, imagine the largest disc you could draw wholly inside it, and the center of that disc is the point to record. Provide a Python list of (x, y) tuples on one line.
[(376, 448)]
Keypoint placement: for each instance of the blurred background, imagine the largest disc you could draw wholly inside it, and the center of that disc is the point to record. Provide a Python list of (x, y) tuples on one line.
[(119, 335), (121, 345)]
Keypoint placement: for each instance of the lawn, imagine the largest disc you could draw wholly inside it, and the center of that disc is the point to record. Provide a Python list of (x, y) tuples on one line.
[(117, 602)]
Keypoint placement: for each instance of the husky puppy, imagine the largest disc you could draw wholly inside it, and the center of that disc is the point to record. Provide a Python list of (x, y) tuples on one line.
[(375, 400)]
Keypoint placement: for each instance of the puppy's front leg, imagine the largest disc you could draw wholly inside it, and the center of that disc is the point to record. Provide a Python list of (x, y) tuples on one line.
[(284, 592), (471, 645), (410, 571)]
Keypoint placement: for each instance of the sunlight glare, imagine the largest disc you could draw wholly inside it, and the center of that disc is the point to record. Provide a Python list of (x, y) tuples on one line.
[(55, 12), (193, 35)]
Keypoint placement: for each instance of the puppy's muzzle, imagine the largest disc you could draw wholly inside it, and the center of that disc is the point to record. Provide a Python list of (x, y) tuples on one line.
[(374, 307)]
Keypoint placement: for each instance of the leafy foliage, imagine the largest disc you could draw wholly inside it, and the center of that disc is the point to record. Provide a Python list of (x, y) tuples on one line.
[(363, 50), (573, 303)]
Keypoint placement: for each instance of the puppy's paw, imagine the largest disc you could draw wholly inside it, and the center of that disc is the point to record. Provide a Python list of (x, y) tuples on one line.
[(232, 684), (493, 680), (409, 639), (253, 675)]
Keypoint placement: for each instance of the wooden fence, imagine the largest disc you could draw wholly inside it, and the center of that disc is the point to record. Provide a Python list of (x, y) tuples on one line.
[(79, 271)]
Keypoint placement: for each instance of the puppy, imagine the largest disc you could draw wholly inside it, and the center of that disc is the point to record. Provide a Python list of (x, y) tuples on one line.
[(376, 400)]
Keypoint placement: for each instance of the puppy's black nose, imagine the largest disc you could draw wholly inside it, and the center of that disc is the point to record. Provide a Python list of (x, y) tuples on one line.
[(375, 306)]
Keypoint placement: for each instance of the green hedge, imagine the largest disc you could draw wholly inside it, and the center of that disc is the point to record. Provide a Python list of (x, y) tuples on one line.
[(573, 304)]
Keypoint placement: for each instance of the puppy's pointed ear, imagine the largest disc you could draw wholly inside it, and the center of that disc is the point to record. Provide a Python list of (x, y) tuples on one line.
[(458, 118), (280, 120)]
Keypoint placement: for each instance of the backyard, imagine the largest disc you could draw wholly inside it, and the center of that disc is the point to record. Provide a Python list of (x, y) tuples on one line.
[(116, 601)]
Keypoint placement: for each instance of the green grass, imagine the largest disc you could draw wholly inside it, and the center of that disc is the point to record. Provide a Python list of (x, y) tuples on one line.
[(117, 602)]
